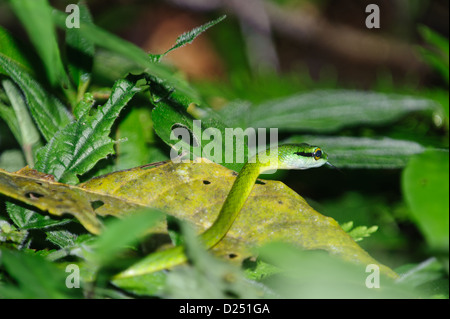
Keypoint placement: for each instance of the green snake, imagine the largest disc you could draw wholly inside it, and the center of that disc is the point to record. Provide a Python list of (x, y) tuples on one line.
[(288, 156)]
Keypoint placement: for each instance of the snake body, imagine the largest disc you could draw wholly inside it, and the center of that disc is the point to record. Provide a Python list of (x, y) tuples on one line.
[(288, 156)]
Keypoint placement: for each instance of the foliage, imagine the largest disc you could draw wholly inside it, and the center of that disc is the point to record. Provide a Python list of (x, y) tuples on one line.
[(67, 124)]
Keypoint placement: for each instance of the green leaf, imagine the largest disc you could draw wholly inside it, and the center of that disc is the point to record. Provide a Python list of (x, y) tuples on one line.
[(325, 111), (48, 112), (75, 149), (421, 273), (120, 233), (9, 116), (188, 37), (36, 17), (29, 135), (12, 49), (314, 274), (34, 277), (167, 119), (363, 152), (438, 53), (137, 135), (425, 184), (208, 276), (11, 160), (80, 53), (140, 58), (358, 233), (27, 219), (84, 105)]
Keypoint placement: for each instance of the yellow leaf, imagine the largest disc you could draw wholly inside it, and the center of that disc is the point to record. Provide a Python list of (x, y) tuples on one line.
[(194, 192)]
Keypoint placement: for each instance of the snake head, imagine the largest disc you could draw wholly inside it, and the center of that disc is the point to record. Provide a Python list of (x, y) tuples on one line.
[(301, 156)]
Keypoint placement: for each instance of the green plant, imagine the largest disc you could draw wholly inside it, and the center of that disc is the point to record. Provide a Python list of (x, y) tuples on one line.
[(63, 123)]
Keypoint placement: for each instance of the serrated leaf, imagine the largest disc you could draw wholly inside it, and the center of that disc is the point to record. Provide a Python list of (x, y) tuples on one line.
[(363, 152), (327, 111), (142, 62), (48, 112), (80, 145), (27, 219), (188, 37)]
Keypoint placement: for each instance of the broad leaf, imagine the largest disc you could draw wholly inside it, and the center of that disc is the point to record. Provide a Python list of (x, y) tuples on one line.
[(326, 110), (208, 138), (363, 152), (80, 145), (193, 192), (425, 184), (48, 112)]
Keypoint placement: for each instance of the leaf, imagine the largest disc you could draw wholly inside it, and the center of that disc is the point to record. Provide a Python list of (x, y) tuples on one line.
[(138, 146), (194, 192), (167, 120), (29, 137), (11, 160), (27, 219), (425, 184), (363, 152), (209, 276), (34, 277), (142, 61), (48, 112), (41, 191), (76, 148), (188, 37), (10, 48), (428, 275), (9, 116), (313, 274), (36, 17), (117, 234), (358, 233), (80, 53), (438, 55), (327, 111)]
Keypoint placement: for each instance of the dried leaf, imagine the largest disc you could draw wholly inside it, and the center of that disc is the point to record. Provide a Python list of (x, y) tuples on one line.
[(193, 192)]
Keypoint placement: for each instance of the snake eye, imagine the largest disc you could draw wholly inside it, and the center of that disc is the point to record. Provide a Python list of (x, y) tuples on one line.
[(317, 154)]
